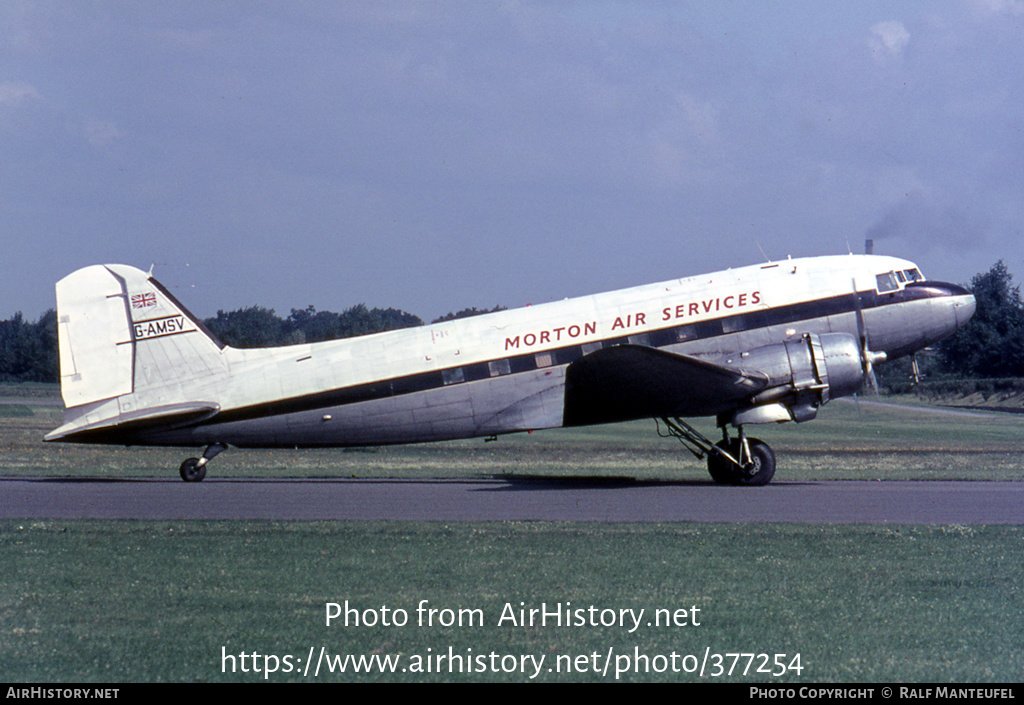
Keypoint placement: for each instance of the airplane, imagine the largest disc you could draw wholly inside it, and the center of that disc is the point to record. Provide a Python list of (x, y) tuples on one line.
[(758, 344)]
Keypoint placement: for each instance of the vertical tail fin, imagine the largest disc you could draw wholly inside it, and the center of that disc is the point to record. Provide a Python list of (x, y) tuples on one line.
[(120, 332), (93, 337)]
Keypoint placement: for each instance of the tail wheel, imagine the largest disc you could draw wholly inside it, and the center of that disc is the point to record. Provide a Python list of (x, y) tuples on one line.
[(192, 471)]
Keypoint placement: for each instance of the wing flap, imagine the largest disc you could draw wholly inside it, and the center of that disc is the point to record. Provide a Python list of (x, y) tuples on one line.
[(633, 381)]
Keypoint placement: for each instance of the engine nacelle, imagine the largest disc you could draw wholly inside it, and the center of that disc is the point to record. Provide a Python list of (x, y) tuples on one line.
[(803, 374)]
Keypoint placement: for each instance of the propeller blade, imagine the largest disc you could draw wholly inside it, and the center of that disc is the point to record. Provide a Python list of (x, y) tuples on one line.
[(871, 359), (868, 359)]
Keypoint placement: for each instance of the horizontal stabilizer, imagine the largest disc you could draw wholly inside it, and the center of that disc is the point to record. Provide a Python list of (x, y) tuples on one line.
[(634, 381), (170, 416)]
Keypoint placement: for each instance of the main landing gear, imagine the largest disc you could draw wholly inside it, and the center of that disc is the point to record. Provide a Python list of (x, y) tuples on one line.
[(194, 469), (731, 461)]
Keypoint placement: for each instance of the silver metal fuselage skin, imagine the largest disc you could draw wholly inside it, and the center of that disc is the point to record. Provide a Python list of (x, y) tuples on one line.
[(506, 372)]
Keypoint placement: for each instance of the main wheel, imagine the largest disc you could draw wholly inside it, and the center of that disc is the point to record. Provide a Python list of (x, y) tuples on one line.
[(192, 471), (722, 471), (761, 468), (758, 471)]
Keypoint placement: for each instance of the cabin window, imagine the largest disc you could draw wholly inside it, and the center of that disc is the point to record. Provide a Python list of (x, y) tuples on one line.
[(707, 329), (569, 355), (477, 371), (522, 363), (887, 282), (499, 367), (685, 333), (640, 339), (544, 359), (454, 375), (735, 324)]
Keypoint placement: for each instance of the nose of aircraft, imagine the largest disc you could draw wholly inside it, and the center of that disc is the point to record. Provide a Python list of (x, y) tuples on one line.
[(961, 299), (954, 305), (964, 306), (937, 310), (959, 307)]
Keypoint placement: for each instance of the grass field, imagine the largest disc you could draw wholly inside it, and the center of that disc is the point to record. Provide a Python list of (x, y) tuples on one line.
[(120, 601), (866, 440)]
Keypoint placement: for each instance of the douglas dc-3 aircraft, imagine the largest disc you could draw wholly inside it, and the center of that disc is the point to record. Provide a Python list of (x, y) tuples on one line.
[(758, 344)]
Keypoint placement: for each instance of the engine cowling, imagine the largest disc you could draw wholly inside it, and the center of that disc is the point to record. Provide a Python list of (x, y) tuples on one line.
[(803, 374)]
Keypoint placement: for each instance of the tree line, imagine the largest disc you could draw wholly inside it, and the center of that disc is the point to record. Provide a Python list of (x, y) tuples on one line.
[(990, 347), (258, 327), (28, 349)]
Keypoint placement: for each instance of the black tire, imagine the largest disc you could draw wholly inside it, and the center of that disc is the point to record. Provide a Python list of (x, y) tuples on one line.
[(721, 470), (760, 471), (192, 471), (762, 465)]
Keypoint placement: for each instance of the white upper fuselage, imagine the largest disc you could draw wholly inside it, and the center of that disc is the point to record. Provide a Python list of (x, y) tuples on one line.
[(305, 369)]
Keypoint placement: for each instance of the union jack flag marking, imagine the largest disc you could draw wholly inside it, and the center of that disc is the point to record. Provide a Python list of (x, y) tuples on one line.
[(143, 300)]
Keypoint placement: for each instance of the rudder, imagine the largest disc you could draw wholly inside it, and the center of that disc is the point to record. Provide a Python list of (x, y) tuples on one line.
[(121, 332), (93, 337)]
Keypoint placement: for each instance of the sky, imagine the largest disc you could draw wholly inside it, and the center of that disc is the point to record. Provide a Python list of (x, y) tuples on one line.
[(432, 156)]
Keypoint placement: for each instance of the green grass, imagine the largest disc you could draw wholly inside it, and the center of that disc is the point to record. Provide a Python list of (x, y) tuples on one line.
[(868, 440), (123, 601), (157, 601)]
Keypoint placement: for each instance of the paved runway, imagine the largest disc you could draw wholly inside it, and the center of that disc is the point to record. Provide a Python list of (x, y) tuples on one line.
[(522, 499)]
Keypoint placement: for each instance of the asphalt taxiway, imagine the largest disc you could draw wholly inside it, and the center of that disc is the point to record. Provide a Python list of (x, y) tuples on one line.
[(514, 499)]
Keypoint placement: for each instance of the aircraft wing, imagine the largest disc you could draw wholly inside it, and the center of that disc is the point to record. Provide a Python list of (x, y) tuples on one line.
[(631, 381)]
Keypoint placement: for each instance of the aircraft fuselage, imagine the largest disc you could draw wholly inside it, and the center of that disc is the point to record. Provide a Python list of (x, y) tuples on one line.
[(497, 373)]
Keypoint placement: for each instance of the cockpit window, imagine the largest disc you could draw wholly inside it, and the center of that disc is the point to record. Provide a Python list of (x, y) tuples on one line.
[(913, 275), (887, 282)]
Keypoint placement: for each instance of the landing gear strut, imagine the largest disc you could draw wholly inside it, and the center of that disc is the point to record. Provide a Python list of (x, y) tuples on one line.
[(731, 461), (194, 469)]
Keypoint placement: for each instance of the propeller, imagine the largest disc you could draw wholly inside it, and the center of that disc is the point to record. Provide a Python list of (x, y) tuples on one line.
[(868, 358)]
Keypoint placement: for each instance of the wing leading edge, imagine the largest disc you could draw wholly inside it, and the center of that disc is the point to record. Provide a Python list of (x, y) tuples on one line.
[(632, 381)]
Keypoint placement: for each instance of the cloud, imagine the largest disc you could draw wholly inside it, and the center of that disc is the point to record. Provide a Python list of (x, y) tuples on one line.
[(17, 94), (999, 7), (678, 148), (888, 38), (99, 133)]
